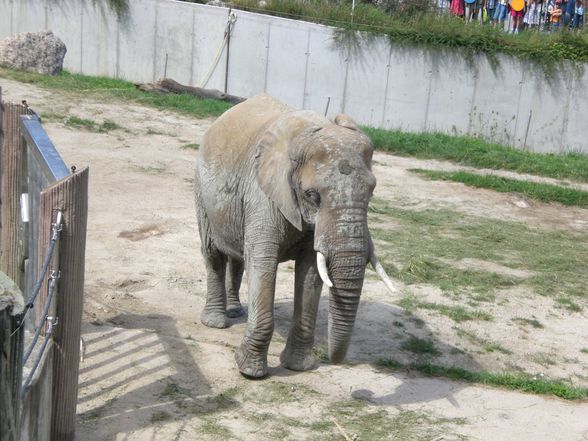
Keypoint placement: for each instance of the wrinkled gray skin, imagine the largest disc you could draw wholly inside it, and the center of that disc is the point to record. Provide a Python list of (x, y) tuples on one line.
[(275, 184)]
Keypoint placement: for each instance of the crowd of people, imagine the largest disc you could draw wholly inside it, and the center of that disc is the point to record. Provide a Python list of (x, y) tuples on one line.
[(516, 15)]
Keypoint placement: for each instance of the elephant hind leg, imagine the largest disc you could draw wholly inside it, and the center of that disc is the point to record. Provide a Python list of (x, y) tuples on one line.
[(235, 270), (213, 314)]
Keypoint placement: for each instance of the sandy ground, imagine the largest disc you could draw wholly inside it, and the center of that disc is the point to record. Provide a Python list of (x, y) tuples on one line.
[(151, 371)]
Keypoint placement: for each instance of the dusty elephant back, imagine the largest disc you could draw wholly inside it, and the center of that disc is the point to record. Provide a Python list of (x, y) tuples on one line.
[(244, 123)]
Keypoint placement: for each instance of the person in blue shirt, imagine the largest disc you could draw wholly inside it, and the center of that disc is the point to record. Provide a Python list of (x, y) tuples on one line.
[(569, 10)]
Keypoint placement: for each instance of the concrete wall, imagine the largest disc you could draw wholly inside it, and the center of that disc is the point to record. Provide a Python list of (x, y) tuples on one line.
[(311, 66)]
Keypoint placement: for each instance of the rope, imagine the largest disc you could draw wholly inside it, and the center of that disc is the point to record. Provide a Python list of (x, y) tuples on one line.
[(231, 20), (51, 290), (55, 230)]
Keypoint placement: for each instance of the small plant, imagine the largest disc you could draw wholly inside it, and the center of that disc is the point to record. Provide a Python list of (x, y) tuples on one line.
[(523, 382), (191, 146), (160, 416), (420, 346), (108, 125), (81, 123), (531, 322), (569, 304), (457, 313)]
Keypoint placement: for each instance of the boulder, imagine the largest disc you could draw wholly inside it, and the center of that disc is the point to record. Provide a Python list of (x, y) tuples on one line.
[(11, 297), (40, 52)]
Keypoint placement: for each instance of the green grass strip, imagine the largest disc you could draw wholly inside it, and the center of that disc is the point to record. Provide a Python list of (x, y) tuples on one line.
[(102, 87), (478, 153), (519, 382), (533, 190)]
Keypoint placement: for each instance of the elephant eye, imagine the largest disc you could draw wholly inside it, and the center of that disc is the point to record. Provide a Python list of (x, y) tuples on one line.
[(313, 197)]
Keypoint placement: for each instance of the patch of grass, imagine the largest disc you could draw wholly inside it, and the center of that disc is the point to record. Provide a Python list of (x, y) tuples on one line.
[(422, 240), (456, 313), (478, 153), (160, 416), (276, 392), (521, 382), (90, 125), (215, 430), (108, 125), (158, 168), (151, 131), (191, 146), (52, 117), (569, 304), (420, 346), (109, 88), (486, 345), (321, 353), (81, 123), (544, 359), (531, 322), (533, 190), (584, 350), (421, 269), (361, 422), (225, 400)]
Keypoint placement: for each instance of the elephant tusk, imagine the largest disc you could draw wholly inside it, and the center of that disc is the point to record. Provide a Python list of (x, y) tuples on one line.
[(382, 273), (321, 263)]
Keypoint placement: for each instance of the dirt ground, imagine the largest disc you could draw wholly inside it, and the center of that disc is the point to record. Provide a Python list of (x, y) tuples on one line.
[(151, 371)]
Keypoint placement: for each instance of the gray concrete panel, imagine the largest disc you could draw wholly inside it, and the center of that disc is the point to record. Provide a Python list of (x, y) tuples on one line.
[(64, 18), (248, 54), (367, 81), (174, 41), (409, 82), (453, 91), (210, 23), (493, 115), (28, 16), (137, 42), (577, 121), (287, 61), (325, 72), (6, 7), (99, 40)]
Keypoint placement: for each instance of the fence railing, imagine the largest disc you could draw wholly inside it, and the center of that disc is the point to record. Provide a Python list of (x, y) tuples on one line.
[(43, 214)]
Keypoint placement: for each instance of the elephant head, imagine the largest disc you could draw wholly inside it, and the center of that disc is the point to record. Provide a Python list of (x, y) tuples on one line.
[(318, 173)]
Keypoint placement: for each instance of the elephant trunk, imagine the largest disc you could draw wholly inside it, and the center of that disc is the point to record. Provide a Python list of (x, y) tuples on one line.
[(348, 254)]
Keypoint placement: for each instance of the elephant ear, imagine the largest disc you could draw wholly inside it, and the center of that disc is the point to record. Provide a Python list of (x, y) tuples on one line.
[(346, 121), (275, 160)]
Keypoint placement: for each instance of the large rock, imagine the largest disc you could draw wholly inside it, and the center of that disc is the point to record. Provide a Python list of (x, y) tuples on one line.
[(11, 297), (40, 52)]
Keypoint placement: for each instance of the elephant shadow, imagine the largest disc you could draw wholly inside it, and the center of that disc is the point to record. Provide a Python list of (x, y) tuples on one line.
[(383, 333)]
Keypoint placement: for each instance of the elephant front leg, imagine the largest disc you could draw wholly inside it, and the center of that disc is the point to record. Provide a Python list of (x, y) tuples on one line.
[(251, 356), (235, 275), (297, 355), (213, 314)]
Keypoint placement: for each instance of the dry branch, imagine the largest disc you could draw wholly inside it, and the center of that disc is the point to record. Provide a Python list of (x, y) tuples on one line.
[(167, 86)]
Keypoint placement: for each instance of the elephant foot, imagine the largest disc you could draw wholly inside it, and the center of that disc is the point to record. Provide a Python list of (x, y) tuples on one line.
[(249, 364), (300, 360), (234, 310), (213, 318)]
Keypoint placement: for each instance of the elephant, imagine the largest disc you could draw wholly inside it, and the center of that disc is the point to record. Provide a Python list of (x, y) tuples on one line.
[(274, 184)]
